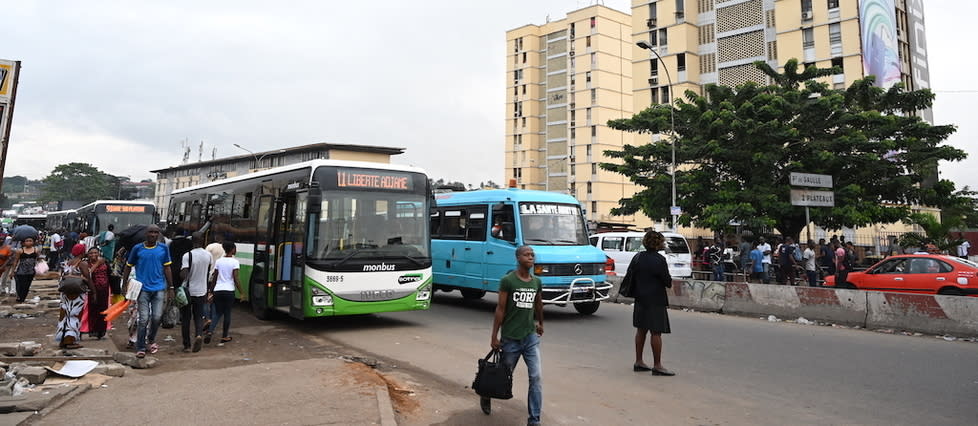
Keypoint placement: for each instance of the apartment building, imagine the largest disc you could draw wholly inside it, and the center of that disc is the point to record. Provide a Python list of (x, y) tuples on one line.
[(717, 41), (564, 80)]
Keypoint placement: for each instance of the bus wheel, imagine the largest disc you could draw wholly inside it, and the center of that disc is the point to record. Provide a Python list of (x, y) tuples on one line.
[(587, 308), (471, 293)]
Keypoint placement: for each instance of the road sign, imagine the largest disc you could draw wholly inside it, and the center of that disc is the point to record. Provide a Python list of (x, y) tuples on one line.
[(675, 210), (812, 198), (810, 180)]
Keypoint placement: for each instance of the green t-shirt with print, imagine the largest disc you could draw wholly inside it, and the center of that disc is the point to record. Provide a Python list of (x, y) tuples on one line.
[(518, 321)]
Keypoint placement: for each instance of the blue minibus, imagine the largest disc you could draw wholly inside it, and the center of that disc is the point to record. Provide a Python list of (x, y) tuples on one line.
[(474, 236)]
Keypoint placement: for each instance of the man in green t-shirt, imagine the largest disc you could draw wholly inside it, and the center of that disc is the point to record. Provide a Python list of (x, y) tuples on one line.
[(519, 314)]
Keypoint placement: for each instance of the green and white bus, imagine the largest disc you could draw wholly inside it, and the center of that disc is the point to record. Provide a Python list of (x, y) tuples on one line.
[(320, 238)]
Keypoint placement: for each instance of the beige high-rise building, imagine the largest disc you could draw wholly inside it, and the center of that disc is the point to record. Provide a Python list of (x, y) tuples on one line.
[(564, 80), (717, 41)]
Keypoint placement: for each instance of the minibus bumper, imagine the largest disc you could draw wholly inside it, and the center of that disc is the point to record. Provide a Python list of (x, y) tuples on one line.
[(578, 291)]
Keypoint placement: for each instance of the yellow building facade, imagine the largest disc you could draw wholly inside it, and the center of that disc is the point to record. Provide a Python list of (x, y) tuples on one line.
[(567, 78), (564, 81)]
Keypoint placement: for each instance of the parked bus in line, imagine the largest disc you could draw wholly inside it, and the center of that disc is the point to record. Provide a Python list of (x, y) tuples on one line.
[(96, 216), (38, 221), (319, 238), (61, 220), (475, 235)]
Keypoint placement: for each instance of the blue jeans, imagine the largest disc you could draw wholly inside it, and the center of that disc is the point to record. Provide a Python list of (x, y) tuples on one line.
[(812, 278), (766, 277), (150, 311), (718, 272), (529, 348)]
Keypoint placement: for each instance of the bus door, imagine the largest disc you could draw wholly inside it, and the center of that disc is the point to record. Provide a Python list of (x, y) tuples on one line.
[(290, 232), (501, 245), (474, 248), (264, 261)]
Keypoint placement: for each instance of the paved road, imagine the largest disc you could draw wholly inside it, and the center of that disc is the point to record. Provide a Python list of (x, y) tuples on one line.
[(731, 370)]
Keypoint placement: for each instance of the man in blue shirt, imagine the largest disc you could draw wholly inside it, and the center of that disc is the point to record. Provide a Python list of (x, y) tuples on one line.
[(757, 265), (151, 261)]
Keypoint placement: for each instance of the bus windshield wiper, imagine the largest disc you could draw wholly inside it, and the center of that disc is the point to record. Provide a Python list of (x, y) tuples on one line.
[(539, 240), (347, 257), (416, 261)]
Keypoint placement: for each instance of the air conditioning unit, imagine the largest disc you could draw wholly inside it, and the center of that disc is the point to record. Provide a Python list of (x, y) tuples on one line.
[(654, 81), (650, 22), (807, 15)]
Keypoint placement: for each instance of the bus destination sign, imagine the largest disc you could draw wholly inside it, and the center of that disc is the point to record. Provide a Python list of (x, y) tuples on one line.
[(551, 209), (366, 179), (124, 208)]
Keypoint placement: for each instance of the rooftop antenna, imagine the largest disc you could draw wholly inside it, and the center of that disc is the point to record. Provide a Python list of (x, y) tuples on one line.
[(214, 153), (200, 151)]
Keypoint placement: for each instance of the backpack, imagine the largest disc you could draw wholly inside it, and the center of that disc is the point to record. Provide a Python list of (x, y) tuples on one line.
[(797, 253)]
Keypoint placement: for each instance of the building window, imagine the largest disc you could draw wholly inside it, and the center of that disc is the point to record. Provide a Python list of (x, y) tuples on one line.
[(589, 188), (835, 33), (594, 168), (587, 41), (594, 96), (654, 67), (806, 6), (594, 207), (523, 121), (652, 15), (665, 95), (524, 57), (573, 133), (588, 114), (833, 4), (680, 10), (594, 22), (655, 96), (681, 62), (808, 38), (524, 89), (838, 62), (653, 38), (588, 147), (663, 39), (587, 76), (594, 60)]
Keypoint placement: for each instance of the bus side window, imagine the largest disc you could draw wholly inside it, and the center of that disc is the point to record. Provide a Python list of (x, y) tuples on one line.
[(503, 222), (476, 230)]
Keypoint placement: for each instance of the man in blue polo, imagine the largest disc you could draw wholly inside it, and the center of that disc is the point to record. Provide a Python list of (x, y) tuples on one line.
[(151, 260)]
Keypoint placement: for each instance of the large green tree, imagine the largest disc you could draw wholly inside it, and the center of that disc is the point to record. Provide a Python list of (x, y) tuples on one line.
[(77, 182), (737, 146)]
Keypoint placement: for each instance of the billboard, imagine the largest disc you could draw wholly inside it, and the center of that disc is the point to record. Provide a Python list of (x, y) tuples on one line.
[(918, 51), (877, 24), (7, 69)]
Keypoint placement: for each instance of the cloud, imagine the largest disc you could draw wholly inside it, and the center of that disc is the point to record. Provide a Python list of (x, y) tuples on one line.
[(38, 146)]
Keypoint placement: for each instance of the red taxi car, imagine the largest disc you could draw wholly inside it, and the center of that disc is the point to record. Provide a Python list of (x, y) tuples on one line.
[(916, 273)]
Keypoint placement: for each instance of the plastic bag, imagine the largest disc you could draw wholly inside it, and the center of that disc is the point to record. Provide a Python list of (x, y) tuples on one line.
[(180, 297), (132, 293), (171, 316), (40, 268)]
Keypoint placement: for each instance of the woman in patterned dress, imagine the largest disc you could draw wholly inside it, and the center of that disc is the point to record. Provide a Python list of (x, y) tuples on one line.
[(98, 293), (73, 288)]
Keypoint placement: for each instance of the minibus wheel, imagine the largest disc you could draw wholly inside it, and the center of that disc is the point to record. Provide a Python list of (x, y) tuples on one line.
[(587, 308), (471, 293)]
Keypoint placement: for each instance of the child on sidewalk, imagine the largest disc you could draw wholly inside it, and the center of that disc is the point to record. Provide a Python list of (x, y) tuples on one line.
[(224, 281)]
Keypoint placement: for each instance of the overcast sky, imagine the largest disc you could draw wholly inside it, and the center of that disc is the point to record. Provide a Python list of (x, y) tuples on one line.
[(121, 84)]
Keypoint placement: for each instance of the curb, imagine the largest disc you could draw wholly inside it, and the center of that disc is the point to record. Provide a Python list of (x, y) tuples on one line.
[(55, 404), (385, 407)]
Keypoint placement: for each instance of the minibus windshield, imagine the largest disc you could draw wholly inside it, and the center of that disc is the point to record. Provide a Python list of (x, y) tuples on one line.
[(552, 224)]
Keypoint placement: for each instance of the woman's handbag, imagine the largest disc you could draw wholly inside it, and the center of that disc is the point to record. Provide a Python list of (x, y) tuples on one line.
[(494, 379), (627, 286)]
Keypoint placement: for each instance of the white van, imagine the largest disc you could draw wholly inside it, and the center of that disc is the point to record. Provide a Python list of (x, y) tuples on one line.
[(622, 246)]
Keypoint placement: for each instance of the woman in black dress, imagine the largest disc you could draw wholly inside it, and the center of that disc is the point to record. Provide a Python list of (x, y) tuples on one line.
[(651, 314)]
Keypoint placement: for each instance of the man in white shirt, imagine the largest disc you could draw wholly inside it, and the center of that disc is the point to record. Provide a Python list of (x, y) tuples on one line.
[(963, 247), (808, 257), (195, 267), (765, 248)]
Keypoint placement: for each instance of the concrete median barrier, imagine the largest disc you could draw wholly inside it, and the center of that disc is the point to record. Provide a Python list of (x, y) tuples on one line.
[(953, 315), (926, 313)]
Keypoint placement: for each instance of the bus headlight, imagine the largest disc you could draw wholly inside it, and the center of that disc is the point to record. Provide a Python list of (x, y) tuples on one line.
[(541, 269), (424, 293), (320, 297)]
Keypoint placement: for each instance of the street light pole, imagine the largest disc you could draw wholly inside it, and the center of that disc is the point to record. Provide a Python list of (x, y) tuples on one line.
[(672, 117), (248, 151)]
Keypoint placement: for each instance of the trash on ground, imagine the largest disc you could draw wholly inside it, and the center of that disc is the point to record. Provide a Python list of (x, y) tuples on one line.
[(74, 368)]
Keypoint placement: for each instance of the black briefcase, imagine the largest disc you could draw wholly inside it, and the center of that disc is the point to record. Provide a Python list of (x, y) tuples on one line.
[(494, 379)]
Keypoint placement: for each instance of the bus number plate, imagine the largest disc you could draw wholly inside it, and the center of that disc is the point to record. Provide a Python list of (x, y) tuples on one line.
[(334, 278)]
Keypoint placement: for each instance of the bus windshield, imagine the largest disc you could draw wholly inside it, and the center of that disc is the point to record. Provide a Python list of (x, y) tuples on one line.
[(122, 220), (370, 214), (552, 224)]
